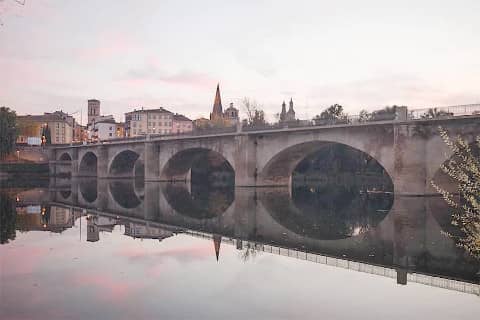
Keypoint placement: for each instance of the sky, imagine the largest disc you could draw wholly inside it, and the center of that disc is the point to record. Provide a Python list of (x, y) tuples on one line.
[(157, 53)]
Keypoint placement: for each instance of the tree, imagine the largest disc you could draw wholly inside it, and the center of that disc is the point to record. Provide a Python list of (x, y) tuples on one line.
[(255, 114), (332, 114), (387, 113), (433, 113), (364, 116), (7, 131), (464, 169)]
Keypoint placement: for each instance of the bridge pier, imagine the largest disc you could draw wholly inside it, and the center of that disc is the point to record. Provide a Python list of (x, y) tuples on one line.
[(152, 161), (245, 161), (102, 162)]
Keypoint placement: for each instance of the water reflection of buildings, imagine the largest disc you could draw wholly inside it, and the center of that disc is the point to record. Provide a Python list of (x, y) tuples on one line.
[(97, 224), (45, 218)]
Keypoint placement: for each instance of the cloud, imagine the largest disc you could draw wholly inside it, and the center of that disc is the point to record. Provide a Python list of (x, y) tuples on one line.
[(105, 286), (151, 72)]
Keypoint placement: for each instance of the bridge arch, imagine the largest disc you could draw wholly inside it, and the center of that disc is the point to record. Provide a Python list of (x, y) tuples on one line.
[(65, 157), (203, 161), (279, 168), (125, 164), (88, 165)]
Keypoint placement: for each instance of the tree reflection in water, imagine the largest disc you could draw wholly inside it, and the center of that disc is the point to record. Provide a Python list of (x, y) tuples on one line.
[(8, 216)]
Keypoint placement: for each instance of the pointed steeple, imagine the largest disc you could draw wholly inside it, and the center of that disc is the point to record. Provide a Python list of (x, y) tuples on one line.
[(217, 111), (217, 239), (291, 112), (283, 114)]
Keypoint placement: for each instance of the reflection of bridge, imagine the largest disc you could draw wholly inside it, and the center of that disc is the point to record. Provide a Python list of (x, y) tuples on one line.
[(407, 238), (411, 152), (160, 231)]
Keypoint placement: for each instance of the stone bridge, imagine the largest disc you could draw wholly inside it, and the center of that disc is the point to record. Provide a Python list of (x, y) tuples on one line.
[(411, 152)]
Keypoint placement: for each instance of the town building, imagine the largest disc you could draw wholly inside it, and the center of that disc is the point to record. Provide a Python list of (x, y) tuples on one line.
[(142, 231), (102, 128), (61, 130), (287, 116), (155, 121), (201, 123), (181, 124), (218, 117)]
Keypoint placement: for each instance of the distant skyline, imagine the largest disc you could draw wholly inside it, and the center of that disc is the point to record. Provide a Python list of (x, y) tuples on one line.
[(171, 54)]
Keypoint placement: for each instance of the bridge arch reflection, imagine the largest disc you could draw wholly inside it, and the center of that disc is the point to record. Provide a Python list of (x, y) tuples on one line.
[(199, 201), (326, 212), (127, 193)]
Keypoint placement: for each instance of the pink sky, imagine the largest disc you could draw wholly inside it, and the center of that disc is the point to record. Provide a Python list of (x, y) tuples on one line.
[(57, 55)]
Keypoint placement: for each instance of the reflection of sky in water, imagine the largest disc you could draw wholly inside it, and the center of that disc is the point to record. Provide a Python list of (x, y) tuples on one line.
[(46, 275)]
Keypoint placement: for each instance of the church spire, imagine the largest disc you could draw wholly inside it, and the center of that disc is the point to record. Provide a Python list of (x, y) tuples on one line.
[(217, 111), (291, 105)]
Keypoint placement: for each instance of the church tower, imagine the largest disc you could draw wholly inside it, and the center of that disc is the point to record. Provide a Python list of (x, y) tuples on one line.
[(291, 112), (217, 112), (283, 114)]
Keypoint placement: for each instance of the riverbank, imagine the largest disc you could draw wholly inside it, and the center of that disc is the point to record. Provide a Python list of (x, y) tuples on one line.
[(23, 170)]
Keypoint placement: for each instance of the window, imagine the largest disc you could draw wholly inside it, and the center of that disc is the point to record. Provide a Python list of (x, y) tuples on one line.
[(111, 128), (110, 134)]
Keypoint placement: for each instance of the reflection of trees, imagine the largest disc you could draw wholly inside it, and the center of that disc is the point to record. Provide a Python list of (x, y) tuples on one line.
[(464, 169), (249, 252), (8, 216)]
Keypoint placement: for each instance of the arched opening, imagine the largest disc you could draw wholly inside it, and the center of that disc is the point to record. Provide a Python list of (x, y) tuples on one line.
[(123, 192), (200, 166), (65, 157), (123, 164), (315, 160), (88, 165)]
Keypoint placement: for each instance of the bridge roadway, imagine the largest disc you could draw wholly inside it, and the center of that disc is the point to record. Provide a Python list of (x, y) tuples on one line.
[(407, 237), (411, 153)]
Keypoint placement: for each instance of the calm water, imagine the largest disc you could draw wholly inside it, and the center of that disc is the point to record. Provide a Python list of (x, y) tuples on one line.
[(124, 249)]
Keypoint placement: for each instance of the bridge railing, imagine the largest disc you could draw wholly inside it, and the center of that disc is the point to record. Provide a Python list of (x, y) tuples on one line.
[(445, 112)]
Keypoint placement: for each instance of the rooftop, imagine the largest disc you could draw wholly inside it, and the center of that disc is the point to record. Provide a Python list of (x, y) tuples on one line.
[(149, 110), (180, 117)]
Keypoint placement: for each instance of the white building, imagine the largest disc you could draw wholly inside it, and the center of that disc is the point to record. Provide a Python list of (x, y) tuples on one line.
[(102, 128)]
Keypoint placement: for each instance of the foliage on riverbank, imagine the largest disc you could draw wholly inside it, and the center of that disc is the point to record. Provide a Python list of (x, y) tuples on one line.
[(464, 168)]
